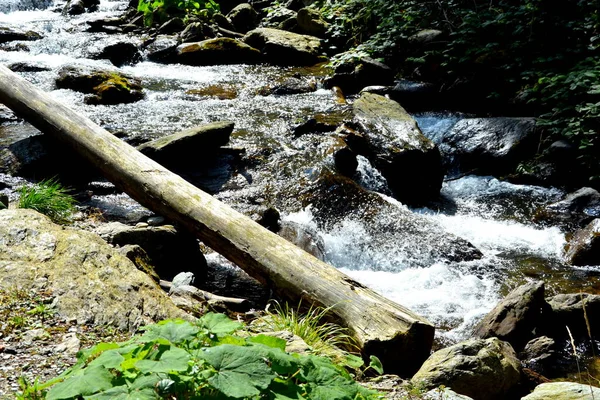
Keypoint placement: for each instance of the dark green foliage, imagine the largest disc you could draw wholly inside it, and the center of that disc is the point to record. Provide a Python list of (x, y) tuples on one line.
[(176, 359), (527, 57), (165, 9)]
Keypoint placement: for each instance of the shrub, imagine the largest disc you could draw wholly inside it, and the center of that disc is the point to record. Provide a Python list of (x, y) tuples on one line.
[(165, 9), (48, 197)]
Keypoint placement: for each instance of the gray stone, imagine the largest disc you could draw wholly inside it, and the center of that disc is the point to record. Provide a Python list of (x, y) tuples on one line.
[(563, 391), (540, 355), (575, 211), (285, 48), (584, 246), (140, 259), (310, 22), (516, 317), (483, 369), (34, 334), (391, 139), (164, 47), (216, 52), (568, 310), (353, 75), (69, 344), (181, 279), (10, 33), (444, 394), (91, 282), (243, 17)]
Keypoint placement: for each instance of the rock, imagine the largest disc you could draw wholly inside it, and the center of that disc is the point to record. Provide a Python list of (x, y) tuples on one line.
[(567, 310), (216, 52), (9, 34), (120, 53), (353, 75), (483, 369), (104, 24), (285, 48), (243, 17), (310, 22), (174, 25), (298, 4), (424, 37), (575, 211), (223, 23), (444, 393), (69, 344), (307, 239), (169, 150), (34, 334), (163, 48), (171, 251), (107, 87), (270, 219), (392, 141), (76, 7), (279, 18), (227, 5), (516, 317), (489, 145), (221, 92), (91, 282), (140, 259), (193, 32), (563, 391), (291, 85), (345, 161), (417, 96), (27, 67), (181, 279), (541, 355), (584, 246), (293, 343)]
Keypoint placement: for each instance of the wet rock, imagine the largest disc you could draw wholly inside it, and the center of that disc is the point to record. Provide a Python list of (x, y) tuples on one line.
[(489, 145), (9, 34), (516, 317), (120, 53), (307, 239), (353, 75), (76, 7), (140, 259), (217, 52), (310, 22), (193, 32), (221, 92), (174, 25), (270, 219), (243, 18), (104, 25), (575, 211), (7, 115), (291, 85), (279, 18), (563, 391), (540, 355), (320, 123), (392, 141), (225, 24), (584, 246), (91, 282), (346, 162), (27, 67), (227, 5), (170, 150), (480, 368), (163, 48), (285, 48), (106, 87), (568, 310), (170, 251), (416, 96)]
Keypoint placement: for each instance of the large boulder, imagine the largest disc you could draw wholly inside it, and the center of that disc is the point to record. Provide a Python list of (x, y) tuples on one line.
[(90, 280), (169, 250), (105, 86), (516, 317), (197, 140), (541, 355), (575, 211), (285, 48), (563, 391), (310, 22), (216, 52), (584, 246), (9, 34), (492, 146), (568, 310), (119, 53), (484, 369), (163, 48), (243, 17), (392, 141)]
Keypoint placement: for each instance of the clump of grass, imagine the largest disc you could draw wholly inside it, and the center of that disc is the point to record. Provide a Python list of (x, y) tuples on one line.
[(48, 197), (325, 338)]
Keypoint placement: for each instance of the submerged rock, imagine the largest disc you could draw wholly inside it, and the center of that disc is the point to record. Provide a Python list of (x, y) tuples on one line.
[(584, 246), (576, 210), (9, 34), (216, 52), (484, 369), (285, 48), (390, 138), (90, 280), (516, 317), (563, 391)]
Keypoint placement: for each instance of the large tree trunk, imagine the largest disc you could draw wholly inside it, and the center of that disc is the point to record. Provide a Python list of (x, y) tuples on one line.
[(400, 338)]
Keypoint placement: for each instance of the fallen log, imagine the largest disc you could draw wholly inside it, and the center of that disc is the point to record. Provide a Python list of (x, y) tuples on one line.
[(401, 339)]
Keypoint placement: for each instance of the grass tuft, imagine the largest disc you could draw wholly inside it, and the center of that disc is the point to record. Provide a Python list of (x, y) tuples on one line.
[(48, 197)]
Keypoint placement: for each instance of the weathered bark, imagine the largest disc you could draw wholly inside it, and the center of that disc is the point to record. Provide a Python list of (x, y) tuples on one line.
[(400, 338)]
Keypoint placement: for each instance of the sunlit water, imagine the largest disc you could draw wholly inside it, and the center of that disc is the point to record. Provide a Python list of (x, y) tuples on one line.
[(492, 215)]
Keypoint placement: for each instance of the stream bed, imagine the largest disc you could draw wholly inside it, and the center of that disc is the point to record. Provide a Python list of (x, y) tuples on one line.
[(493, 215)]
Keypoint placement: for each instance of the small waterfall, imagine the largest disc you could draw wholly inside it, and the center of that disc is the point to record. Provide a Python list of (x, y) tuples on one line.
[(8, 6)]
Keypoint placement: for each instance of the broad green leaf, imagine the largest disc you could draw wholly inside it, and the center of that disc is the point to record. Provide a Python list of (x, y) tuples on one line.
[(376, 365), (218, 324), (241, 371), (281, 362), (269, 341), (89, 381), (176, 331), (353, 361), (108, 359), (141, 389), (329, 384), (229, 339), (174, 359)]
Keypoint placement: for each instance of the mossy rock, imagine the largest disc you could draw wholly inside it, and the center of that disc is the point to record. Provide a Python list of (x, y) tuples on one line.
[(217, 52)]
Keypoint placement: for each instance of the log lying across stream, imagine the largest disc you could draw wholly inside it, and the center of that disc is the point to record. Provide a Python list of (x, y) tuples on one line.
[(400, 338)]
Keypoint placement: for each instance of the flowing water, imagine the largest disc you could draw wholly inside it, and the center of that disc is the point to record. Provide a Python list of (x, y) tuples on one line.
[(492, 215)]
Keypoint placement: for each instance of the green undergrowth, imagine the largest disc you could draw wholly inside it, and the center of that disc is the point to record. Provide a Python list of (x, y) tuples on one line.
[(176, 359), (48, 197), (162, 10)]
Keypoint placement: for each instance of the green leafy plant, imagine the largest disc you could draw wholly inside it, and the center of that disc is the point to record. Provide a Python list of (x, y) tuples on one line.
[(176, 359), (48, 197), (165, 9)]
